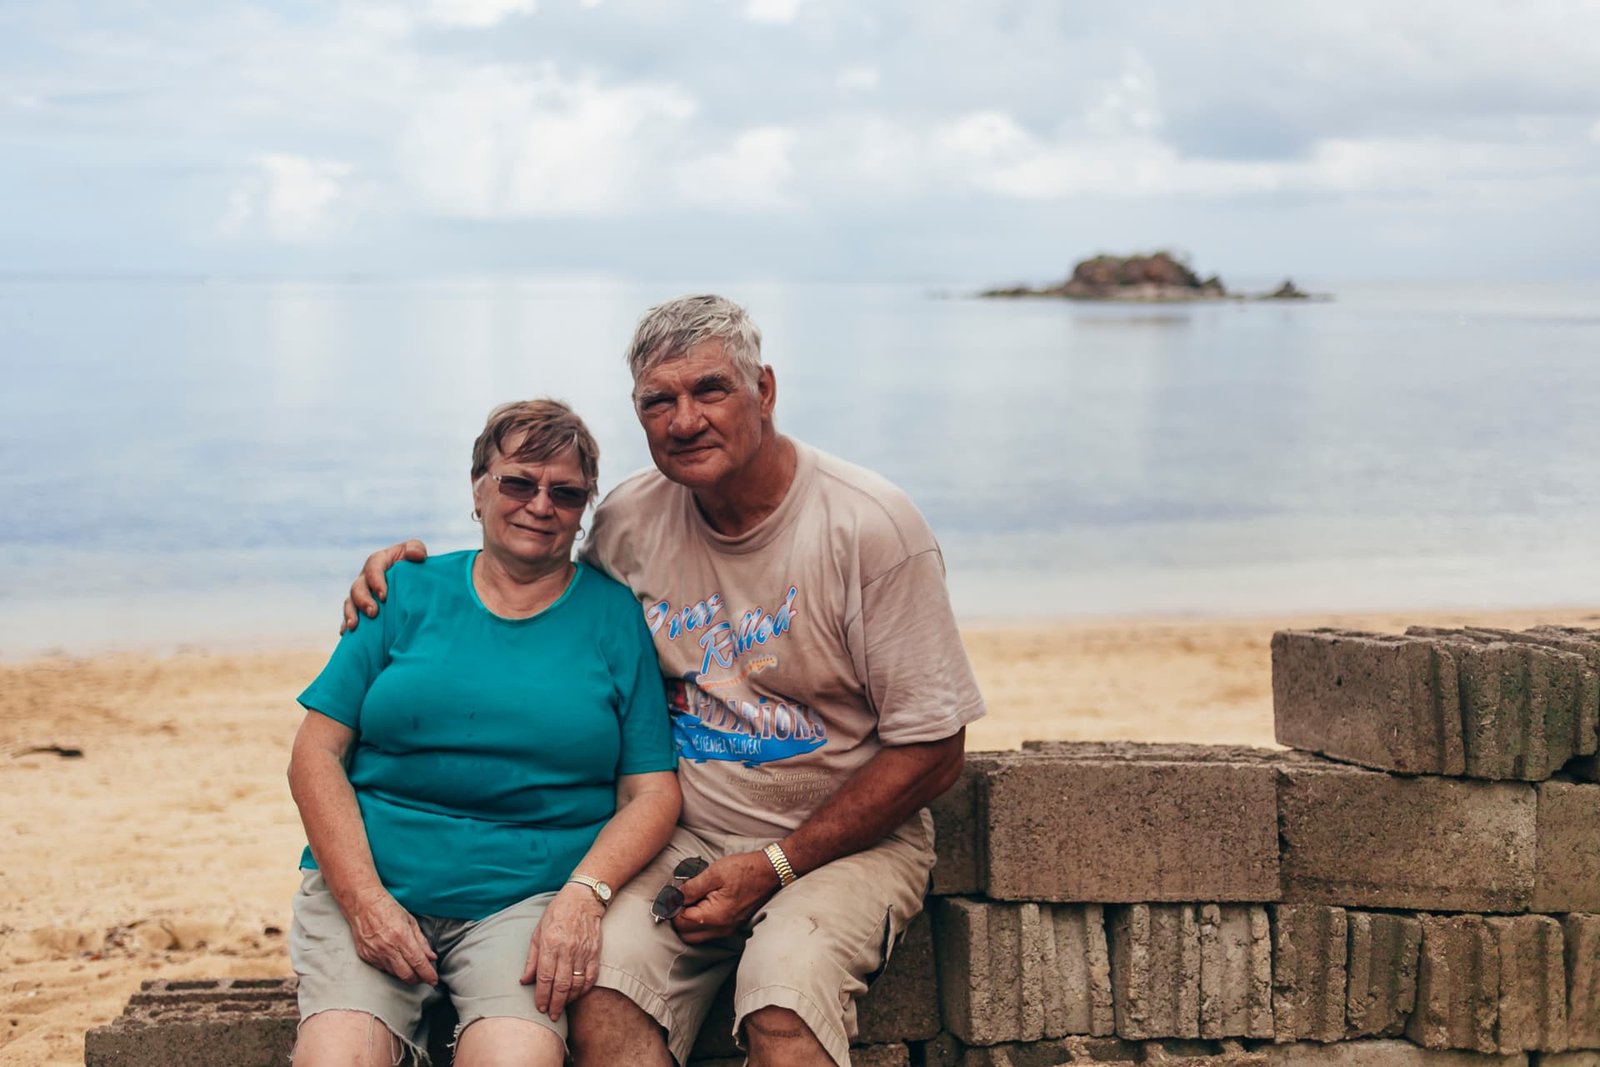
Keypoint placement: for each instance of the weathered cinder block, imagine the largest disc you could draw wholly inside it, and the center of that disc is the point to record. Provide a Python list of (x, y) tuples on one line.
[(1582, 936), (991, 956), (1047, 1053), (1235, 971), (1585, 726), (1527, 707), (894, 1054), (1378, 700), (1155, 970), (958, 822), (1309, 943), (1458, 984), (240, 1022), (1093, 1050), (1019, 972), (1381, 972), (1383, 1054), (244, 1022), (1532, 1010), (1582, 1058), (1585, 643), (1077, 825), (1367, 839), (1567, 872), (890, 1055), (1077, 971), (1225, 1053)]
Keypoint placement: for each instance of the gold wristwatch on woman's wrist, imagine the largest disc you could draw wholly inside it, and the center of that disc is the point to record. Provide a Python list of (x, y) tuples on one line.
[(601, 891)]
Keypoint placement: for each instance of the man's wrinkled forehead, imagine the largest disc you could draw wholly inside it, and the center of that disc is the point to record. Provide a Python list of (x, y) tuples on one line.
[(709, 354)]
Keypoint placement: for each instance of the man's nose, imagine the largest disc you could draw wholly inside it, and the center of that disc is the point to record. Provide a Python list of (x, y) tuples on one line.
[(687, 418)]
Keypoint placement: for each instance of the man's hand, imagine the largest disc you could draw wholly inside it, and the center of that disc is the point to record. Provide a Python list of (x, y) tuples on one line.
[(389, 939), (564, 955), (371, 586), (721, 898)]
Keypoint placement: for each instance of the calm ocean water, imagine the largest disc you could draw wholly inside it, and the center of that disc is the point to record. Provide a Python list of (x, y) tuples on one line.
[(208, 462)]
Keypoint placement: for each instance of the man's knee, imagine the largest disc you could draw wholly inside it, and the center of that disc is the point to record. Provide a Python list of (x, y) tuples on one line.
[(606, 1027), (778, 1036), (777, 1023)]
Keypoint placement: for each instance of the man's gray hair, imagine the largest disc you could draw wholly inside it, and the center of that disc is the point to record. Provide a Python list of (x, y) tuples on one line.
[(669, 330)]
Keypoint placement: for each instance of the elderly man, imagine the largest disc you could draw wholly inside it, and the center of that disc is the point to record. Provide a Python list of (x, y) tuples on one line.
[(819, 693)]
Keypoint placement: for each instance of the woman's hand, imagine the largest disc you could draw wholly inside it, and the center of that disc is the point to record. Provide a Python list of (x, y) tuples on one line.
[(564, 956), (389, 939)]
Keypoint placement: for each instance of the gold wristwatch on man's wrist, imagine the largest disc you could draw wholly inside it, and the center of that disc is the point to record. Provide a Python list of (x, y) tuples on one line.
[(780, 864), (601, 891)]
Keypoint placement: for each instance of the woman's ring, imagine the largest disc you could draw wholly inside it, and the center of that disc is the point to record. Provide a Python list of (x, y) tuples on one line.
[(577, 974)]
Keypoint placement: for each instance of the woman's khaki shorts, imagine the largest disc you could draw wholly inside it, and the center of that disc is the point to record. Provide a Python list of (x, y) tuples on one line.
[(480, 963), (812, 948)]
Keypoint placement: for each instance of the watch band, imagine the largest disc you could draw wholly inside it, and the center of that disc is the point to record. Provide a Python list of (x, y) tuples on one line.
[(780, 863), (601, 891)]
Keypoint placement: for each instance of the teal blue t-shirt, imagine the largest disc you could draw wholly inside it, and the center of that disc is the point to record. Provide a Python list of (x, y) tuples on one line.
[(487, 749)]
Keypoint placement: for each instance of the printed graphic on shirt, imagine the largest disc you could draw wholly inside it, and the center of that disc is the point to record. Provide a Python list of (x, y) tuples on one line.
[(705, 727), (716, 713)]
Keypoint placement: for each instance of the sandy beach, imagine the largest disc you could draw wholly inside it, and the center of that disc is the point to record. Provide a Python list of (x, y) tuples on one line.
[(167, 847)]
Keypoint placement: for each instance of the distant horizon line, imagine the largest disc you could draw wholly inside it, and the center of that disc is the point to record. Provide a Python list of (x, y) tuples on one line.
[(937, 287)]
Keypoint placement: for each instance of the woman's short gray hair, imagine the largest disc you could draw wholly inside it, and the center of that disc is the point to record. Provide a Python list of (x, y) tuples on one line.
[(669, 330), (547, 429)]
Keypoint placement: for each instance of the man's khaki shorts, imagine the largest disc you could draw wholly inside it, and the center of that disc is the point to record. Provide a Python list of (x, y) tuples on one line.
[(813, 947), (480, 963)]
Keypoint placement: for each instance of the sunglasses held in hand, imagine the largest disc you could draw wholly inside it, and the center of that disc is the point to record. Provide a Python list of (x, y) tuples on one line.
[(669, 902)]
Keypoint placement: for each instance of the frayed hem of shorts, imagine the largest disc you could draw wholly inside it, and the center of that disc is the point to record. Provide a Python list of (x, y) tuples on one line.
[(455, 1038), (411, 1054), (834, 1040)]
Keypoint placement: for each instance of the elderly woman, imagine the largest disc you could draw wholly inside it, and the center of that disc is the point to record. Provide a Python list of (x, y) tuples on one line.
[(477, 767)]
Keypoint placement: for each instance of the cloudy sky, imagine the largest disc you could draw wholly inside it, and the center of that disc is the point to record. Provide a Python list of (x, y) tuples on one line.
[(902, 140)]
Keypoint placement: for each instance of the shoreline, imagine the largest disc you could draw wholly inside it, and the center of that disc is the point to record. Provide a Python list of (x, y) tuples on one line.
[(168, 848), (298, 638)]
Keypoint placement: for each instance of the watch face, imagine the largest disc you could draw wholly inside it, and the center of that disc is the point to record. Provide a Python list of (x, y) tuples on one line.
[(602, 891)]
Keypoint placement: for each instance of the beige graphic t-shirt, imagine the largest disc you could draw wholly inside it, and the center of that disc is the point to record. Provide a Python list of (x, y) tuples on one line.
[(794, 652)]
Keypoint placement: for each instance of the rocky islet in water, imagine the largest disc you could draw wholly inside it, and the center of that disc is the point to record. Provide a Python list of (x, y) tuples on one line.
[(1159, 277)]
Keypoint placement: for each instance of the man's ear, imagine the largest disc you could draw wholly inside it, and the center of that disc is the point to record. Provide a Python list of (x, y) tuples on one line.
[(767, 389)]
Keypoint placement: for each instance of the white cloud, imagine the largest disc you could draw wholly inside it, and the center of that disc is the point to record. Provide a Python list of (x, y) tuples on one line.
[(395, 20), (288, 198), (503, 144), (1128, 103), (750, 176), (990, 151), (778, 11), (984, 135), (477, 14), (1594, 133), (858, 79)]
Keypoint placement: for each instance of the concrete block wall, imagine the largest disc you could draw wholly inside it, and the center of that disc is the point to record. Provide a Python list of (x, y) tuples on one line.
[(1415, 881)]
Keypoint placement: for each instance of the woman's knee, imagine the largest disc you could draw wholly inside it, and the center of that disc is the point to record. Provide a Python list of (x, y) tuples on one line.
[(509, 1042), (346, 1039)]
